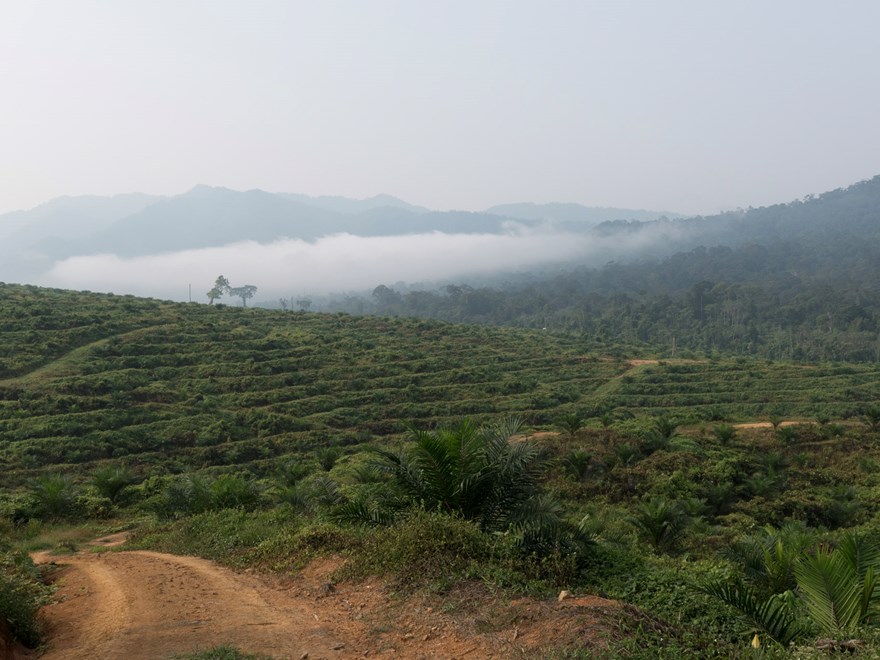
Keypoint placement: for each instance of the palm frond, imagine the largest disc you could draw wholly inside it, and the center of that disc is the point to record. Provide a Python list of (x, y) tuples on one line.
[(360, 511), (773, 615), (477, 473), (861, 553), (830, 590), (325, 490)]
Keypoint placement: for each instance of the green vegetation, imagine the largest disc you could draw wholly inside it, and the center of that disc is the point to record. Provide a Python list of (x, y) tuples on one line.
[(264, 439), (792, 281), (22, 593), (224, 652)]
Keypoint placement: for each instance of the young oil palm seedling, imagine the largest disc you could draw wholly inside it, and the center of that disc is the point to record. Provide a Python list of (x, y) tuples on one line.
[(570, 423), (774, 617), (872, 418), (662, 522), (764, 592), (53, 496), (666, 427), (836, 587), (767, 558), (724, 433), (111, 481), (479, 474), (233, 492), (577, 464), (472, 472)]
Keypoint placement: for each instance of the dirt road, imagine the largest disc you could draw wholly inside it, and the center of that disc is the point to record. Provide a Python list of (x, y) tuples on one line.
[(137, 605)]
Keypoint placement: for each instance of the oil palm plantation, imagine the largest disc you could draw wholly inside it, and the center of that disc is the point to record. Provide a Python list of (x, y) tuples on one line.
[(481, 474)]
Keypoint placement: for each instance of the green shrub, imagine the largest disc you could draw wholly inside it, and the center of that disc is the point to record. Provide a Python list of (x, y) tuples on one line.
[(222, 652), (422, 547), (21, 595), (228, 535), (92, 505), (294, 546)]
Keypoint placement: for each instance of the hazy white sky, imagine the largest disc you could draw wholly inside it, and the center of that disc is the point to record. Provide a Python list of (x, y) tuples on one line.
[(689, 106)]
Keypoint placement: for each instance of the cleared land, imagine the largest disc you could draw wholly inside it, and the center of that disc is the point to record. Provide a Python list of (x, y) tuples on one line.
[(143, 605)]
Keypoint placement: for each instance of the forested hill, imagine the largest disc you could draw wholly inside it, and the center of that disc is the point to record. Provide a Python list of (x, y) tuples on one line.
[(795, 281), (852, 211)]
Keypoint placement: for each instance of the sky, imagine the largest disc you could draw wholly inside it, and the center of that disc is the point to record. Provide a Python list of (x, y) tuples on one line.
[(682, 105)]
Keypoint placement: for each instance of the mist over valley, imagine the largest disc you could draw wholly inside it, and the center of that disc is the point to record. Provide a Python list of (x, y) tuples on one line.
[(290, 244)]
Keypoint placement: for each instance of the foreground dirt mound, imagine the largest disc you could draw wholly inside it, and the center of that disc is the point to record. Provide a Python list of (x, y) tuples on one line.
[(139, 605)]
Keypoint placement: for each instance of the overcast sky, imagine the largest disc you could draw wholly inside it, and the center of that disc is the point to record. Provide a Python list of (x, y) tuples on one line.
[(688, 106)]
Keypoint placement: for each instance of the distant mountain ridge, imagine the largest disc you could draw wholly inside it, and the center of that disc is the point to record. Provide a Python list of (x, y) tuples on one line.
[(853, 211), (205, 216), (348, 205), (575, 213)]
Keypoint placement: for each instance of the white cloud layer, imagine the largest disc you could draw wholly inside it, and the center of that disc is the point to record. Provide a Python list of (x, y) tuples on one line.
[(341, 262)]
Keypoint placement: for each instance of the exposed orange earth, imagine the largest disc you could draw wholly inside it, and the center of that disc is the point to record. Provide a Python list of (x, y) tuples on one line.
[(143, 605)]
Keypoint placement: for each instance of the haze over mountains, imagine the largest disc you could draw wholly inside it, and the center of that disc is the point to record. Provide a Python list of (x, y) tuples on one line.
[(794, 281), (295, 245), (68, 234)]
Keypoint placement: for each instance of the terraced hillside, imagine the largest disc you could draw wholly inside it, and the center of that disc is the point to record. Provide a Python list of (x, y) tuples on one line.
[(249, 437), (168, 387), (180, 387), (742, 390)]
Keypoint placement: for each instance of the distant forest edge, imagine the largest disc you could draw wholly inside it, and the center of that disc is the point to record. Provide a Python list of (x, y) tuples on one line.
[(796, 281)]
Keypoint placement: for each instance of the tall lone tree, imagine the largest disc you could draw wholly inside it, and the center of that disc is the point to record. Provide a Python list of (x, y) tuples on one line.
[(221, 286), (243, 292)]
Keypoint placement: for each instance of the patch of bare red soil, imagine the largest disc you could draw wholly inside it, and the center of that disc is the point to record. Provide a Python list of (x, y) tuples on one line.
[(139, 605), (766, 425)]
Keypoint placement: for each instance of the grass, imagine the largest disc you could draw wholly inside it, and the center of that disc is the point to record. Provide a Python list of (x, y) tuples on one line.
[(222, 652), (61, 538)]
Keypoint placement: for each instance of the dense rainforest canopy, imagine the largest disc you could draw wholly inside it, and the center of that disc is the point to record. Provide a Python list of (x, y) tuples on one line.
[(792, 281)]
